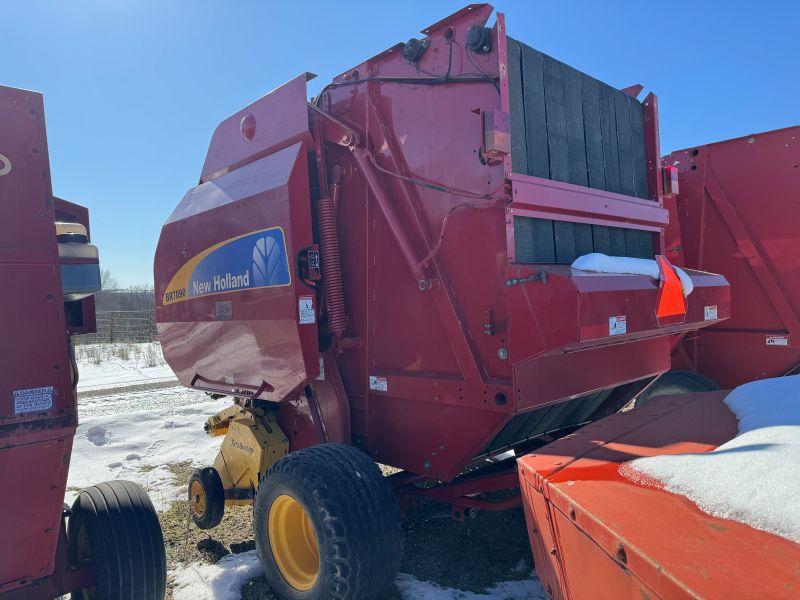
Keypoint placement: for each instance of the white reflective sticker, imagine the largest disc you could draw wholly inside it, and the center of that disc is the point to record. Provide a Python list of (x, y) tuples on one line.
[(710, 312), (378, 383), (223, 310), (305, 309), (617, 325), (321, 376), (777, 340), (33, 400)]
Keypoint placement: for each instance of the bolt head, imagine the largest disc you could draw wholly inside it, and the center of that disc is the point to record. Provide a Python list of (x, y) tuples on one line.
[(502, 353)]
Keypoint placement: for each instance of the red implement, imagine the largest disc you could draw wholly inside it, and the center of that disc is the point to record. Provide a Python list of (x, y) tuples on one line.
[(51, 271), (419, 218), (597, 535), (735, 214)]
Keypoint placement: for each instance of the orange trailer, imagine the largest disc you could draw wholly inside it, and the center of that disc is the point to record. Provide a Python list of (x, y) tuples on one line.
[(596, 535)]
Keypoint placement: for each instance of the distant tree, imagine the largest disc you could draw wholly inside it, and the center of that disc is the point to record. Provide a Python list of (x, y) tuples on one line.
[(113, 297), (107, 280)]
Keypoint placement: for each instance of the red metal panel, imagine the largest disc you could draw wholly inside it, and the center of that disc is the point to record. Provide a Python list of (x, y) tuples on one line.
[(754, 243), (220, 337), (560, 376), (279, 119), (37, 405), (34, 477), (565, 201), (423, 436), (616, 528)]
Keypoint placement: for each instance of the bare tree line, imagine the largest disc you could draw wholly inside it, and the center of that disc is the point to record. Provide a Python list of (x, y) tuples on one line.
[(113, 297)]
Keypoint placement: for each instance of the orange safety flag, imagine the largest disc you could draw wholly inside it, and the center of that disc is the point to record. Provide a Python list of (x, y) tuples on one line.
[(670, 304)]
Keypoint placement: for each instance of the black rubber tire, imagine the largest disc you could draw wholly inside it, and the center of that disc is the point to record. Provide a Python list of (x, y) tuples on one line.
[(677, 382), (209, 479), (125, 544), (355, 519)]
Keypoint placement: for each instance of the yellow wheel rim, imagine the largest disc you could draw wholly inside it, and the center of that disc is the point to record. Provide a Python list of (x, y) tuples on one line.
[(293, 542), (197, 498)]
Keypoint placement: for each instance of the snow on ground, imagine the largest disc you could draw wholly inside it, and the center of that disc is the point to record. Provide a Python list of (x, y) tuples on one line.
[(137, 446), (220, 581), (224, 580), (601, 263), (753, 478), (413, 589), (135, 399), (135, 420), (115, 365)]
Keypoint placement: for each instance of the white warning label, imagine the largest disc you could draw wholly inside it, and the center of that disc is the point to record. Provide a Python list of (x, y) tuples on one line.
[(617, 325), (777, 340), (710, 312), (33, 400), (305, 309), (321, 376), (378, 383)]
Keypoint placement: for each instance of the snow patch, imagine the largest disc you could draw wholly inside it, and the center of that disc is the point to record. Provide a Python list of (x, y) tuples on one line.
[(221, 581), (601, 263), (412, 588), (224, 581), (115, 365), (138, 446), (751, 479)]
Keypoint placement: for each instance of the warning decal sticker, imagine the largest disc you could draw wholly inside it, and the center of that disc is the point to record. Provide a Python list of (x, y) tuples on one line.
[(378, 383), (777, 340), (33, 400), (321, 376), (710, 312), (617, 325), (305, 309)]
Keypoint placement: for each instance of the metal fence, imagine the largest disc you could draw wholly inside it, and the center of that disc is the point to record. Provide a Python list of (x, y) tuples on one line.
[(125, 326)]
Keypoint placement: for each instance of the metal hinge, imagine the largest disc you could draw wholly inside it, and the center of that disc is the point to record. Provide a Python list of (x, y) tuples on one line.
[(540, 276)]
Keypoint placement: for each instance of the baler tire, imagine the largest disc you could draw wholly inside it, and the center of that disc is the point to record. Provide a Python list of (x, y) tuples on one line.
[(115, 527), (677, 382), (350, 526), (213, 498)]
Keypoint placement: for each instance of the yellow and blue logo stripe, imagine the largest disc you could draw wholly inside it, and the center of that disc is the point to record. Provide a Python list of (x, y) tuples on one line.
[(254, 260)]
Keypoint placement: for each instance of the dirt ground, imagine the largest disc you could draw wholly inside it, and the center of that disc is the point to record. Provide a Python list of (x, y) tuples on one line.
[(472, 556)]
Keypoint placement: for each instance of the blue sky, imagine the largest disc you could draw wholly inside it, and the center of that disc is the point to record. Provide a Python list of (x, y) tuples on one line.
[(134, 89)]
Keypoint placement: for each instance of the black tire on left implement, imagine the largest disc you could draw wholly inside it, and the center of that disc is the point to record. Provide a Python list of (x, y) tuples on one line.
[(114, 527), (677, 382)]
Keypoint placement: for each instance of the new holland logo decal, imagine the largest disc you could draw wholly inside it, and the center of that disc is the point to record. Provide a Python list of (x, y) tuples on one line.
[(250, 261)]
